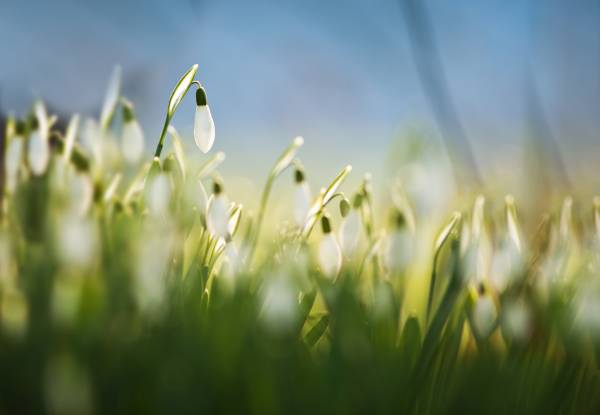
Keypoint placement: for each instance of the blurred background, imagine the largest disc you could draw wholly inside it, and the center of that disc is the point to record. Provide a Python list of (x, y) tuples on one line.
[(352, 77)]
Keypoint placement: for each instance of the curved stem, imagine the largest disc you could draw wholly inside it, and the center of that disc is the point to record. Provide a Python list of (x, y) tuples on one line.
[(161, 140), (431, 286), (319, 213), (261, 214)]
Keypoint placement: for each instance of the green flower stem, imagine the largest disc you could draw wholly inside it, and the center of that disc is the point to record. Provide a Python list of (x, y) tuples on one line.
[(161, 140), (432, 286), (264, 198)]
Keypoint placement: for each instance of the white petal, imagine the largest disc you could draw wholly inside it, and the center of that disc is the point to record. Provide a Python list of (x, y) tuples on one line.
[(350, 232), (398, 250), (133, 142), (204, 128), (159, 195), (42, 117), (38, 153), (506, 264), (301, 203), (77, 241), (280, 303), (217, 219), (14, 154), (484, 316), (152, 262), (330, 256), (81, 192), (517, 320)]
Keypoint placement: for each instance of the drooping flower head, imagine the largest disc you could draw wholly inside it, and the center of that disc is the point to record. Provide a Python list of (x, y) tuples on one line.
[(217, 216), (302, 197), (204, 126), (330, 255), (133, 136)]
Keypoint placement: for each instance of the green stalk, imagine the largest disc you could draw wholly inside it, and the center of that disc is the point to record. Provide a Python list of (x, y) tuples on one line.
[(282, 163), (161, 140), (177, 95), (440, 241)]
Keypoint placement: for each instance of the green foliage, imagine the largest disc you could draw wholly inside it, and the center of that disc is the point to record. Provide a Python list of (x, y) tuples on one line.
[(128, 289)]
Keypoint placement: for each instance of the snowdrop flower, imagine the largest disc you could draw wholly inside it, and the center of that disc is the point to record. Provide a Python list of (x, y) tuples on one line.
[(280, 303), (159, 195), (14, 156), (217, 216), (351, 227), (399, 246), (152, 261), (516, 320), (485, 314), (38, 151), (330, 255), (77, 241), (204, 126), (301, 198), (133, 137), (81, 192), (506, 263)]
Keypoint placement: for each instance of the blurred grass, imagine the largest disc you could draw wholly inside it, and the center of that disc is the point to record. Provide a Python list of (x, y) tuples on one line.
[(125, 301)]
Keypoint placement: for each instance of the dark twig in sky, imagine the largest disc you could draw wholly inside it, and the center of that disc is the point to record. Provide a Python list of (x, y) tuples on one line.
[(433, 80)]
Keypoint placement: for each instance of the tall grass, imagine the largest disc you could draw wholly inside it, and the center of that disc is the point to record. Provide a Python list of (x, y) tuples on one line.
[(130, 286)]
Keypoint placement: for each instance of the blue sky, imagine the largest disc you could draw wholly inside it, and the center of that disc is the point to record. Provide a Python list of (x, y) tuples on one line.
[(339, 73)]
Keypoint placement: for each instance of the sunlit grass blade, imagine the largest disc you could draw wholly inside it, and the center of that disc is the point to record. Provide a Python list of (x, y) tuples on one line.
[(317, 331), (111, 99), (326, 196), (211, 165), (335, 184), (180, 90), (286, 158), (512, 222), (439, 244), (178, 149), (70, 136)]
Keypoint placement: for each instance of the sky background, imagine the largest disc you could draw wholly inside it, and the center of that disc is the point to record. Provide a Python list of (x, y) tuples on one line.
[(339, 73)]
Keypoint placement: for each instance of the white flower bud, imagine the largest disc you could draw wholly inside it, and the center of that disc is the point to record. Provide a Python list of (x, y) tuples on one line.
[(14, 154), (280, 303), (159, 195), (204, 126), (133, 141), (517, 320), (506, 264), (330, 255), (217, 216), (38, 153), (350, 231), (301, 203), (484, 316), (78, 241), (398, 249)]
